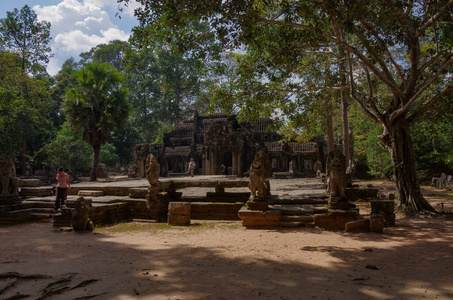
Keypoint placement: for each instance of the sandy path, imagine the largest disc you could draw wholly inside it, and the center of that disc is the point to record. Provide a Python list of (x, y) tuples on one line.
[(225, 261)]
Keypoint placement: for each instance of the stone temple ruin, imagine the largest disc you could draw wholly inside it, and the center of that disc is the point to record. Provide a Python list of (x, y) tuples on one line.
[(222, 140)]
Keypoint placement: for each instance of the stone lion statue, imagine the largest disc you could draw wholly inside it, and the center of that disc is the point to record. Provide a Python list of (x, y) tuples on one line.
[(80, 220), (260, 171), (336, 170), (9, 183), (152, 170)]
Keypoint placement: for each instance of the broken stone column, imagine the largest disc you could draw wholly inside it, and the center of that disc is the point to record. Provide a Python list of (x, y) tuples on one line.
[(386, 208), (179, 213), (377, 222)]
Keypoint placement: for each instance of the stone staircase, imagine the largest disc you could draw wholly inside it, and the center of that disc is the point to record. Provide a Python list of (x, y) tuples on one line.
[(28, 211), (299, 215)]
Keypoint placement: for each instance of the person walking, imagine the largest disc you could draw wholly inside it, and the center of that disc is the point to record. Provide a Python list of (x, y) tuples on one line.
[(63, 185), (191, 167)]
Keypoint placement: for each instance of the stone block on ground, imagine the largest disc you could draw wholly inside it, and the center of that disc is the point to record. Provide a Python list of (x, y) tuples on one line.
[(258, 218), (36, 191), (386, 209), (334, 222), (377, 223), (362, 225), (178, 220), (384, 206), (85, 193), (179, 208), (138, 192), (29, 182)]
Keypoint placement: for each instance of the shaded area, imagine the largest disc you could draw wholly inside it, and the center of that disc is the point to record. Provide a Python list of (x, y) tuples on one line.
[(212, 262)]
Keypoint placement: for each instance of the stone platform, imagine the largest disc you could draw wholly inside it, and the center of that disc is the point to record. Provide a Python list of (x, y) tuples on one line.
[(293, 204)]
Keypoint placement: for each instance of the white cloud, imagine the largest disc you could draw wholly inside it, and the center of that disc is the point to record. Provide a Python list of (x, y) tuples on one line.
[(79, 26)]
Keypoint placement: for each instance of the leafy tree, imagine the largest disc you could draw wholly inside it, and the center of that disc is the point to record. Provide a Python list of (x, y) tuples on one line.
[(63, 81), (108, 155), (401, 47), (24, 106), (97, 105), (142, 79), (21, 33), (67, 150), (124, 142), (113, 53)]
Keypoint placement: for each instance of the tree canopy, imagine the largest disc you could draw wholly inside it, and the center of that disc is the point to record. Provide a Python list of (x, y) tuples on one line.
[(21, 33), (398, 54), (97, 104)]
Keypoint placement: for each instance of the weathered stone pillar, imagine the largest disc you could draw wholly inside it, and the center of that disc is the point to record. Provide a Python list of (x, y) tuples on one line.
[(235, 163), (141, 168), (179, 213)]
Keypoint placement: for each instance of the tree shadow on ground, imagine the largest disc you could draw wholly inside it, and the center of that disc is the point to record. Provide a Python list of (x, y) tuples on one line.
[(418, 265)]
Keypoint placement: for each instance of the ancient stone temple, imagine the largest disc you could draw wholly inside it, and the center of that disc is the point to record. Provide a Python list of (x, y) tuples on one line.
[(221, 140)]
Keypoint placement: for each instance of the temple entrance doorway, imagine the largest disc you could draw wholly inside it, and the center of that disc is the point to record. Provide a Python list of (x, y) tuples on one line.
[(228, 159)]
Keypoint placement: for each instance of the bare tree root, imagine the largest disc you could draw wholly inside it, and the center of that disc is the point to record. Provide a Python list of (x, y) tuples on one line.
[(90, 296), (58, 286)]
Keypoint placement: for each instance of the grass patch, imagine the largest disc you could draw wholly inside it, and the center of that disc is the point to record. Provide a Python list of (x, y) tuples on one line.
[(126, 227), (432, 192)]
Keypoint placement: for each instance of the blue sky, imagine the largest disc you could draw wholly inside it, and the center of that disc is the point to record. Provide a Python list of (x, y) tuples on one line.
[(77, 25)]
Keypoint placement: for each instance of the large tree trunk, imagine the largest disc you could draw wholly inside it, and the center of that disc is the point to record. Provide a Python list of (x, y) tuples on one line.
[(24, 157), (94, 169), (411, 200), (344, 114), (329, 128)]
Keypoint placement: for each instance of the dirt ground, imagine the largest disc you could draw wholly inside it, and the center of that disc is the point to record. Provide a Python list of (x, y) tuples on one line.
[(223, 260)]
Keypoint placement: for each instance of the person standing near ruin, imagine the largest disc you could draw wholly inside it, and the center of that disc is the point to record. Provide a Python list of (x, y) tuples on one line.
[(63, 186), (191, 167)]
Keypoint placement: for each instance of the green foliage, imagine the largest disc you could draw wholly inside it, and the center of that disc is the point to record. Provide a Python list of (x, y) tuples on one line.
[(113, 53), (24, 107), (124, 142), (68, 150), (21, 33), (164, 86), (97, 105), (108, 156), (63, 81), (378, 158)]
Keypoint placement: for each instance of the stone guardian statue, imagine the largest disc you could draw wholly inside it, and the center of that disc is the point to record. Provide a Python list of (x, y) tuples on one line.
[(260, 171), (80, 220), (9, 183)]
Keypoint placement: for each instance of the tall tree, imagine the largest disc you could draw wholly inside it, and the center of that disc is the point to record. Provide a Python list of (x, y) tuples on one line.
[(113, 53), (24, 109), (62, 82), (97, 104), (21, 33), (404, 47)]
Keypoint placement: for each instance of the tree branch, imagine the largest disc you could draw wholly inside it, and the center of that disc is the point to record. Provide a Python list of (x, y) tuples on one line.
[(419, 113), (445, 9), (384, 45), (420, 89)]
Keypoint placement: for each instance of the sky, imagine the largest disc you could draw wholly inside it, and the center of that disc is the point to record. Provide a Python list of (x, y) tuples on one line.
[(77, 25)]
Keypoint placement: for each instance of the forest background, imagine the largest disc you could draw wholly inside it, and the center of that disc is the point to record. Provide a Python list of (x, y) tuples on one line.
[(163, 83)]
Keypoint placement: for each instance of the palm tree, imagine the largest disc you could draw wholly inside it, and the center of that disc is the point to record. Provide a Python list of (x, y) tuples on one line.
[(97, 104)]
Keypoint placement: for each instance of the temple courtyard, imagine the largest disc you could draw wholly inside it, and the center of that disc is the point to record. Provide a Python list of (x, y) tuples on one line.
[(224, 260)]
